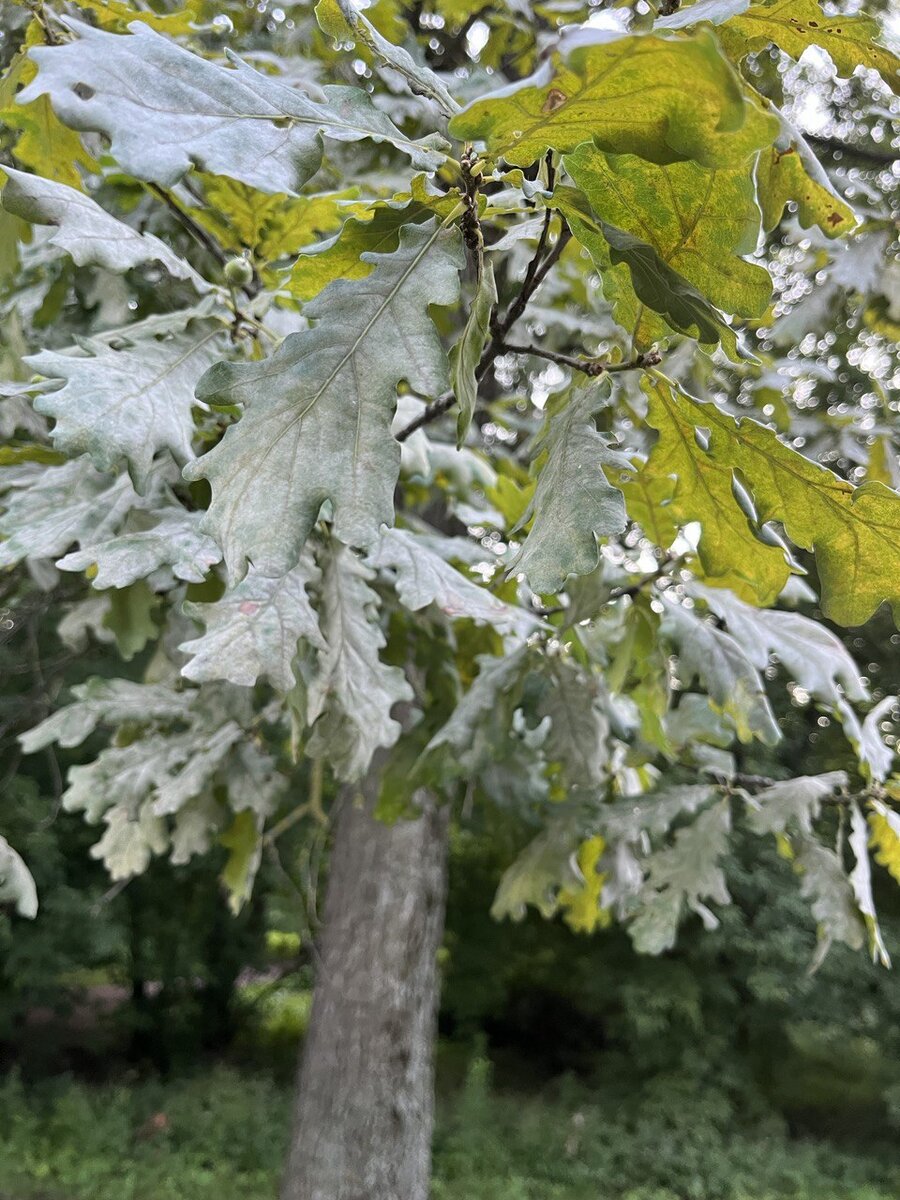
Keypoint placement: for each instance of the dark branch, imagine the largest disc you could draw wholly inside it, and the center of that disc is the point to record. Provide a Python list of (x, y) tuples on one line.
[(588, 366), (534, 277)]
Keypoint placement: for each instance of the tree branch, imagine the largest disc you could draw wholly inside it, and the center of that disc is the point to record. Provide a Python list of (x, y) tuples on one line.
[(534, 277), (588, 366)]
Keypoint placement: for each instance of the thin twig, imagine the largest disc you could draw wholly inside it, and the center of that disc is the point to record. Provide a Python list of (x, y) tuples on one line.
[(196, 230), (588, 366), (534, 277)]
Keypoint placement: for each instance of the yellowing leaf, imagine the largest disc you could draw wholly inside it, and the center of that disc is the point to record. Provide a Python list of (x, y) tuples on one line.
[(785, 175), (684, 483), (117, 15), (271, 226), (699, 221), (581, 906), (620, 94), (44, 143), (854, 531), (794, 25), (376, 230), (884, 824)]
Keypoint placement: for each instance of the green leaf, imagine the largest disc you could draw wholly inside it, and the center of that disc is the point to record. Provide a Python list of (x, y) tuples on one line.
[(105, 701), (175, 541), (352, 692), (574, 503), (682, 876), (814, 657), (16, 882), (254, 629), (794, 804), (84, 230), (466, 354), (619, 94), (423, 577), (181, 110), (132, 402), (699, 221), (318, 413), (130, 618), (733, 683), (794, 25), (243, 841)]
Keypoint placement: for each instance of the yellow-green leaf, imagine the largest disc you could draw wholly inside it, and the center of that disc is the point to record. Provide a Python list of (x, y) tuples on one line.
[(620, 94), (854, 531), (884, 824), (699, 221), (376, 229), (581, 906), (684, 483), (789, 174), (794, 25), (243, 840)]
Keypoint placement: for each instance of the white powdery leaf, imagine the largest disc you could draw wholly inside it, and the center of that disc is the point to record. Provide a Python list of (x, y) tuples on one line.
[(352, 692), (106, 701), (175, 541), (16, 882), (130, 841), (254, 629), (131, 402), (423, 577), (574, 503), (861, 882), (49, 508), (815, 657), (734, 684), (86, 231), (165, 110), (317, 414), (681, 876), (793, 803)]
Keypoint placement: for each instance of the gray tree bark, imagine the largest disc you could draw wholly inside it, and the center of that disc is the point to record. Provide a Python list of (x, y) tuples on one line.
[(365, 1093)]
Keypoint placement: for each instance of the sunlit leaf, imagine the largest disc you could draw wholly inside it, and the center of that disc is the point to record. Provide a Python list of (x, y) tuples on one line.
[(618, 93)]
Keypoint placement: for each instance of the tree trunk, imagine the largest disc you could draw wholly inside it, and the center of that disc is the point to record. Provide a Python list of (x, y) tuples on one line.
[(364, 1110)]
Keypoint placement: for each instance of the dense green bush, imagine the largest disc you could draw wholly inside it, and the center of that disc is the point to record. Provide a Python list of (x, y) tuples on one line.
[(221, 1135)]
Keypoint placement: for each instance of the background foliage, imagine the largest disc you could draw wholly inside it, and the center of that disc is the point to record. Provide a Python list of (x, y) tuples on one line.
[(645, 530)]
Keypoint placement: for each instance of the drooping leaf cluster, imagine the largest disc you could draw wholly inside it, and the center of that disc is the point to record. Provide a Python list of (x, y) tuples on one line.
[(503, 396)]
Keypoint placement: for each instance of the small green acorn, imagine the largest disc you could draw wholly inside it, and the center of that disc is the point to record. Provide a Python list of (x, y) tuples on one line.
[(238, 272)]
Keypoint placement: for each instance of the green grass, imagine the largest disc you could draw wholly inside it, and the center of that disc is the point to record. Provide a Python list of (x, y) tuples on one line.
[(223, 1135)]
